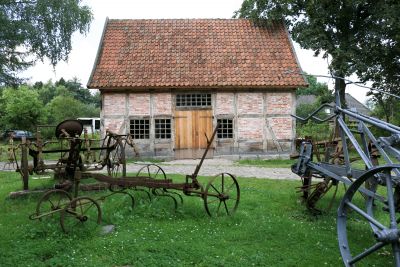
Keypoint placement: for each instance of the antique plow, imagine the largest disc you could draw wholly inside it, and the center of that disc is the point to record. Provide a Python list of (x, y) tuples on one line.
[(369, 210), (75, 153), (221, 195)]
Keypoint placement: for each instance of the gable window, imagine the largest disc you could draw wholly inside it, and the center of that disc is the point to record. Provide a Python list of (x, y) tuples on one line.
[(225, 129), (140, 128), (163, 128), (193, 100)]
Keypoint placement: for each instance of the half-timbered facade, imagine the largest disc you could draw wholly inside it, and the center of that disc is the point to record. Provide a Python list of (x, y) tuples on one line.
[(169, 82)]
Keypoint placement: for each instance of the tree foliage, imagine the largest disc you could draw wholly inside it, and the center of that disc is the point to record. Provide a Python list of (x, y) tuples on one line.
[(386, 108), (21, 108), (360, 36), (82, 94), (37, 29), (316, 88), (67, 107), (322, 95), (26, 106)]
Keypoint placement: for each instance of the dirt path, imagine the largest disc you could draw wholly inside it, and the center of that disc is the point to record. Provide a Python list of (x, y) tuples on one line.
[(215, 166), (210, 167)]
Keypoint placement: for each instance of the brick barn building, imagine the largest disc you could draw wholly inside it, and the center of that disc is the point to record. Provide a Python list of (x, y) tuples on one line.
[(168, 82)]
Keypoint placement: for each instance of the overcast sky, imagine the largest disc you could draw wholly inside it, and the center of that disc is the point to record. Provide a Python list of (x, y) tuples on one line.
[(84, 48)]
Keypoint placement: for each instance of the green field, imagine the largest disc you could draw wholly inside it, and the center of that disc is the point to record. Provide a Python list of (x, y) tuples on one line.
[(270, 228)]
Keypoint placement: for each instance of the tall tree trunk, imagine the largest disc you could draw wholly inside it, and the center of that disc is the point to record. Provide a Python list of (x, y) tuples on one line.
[(340, 87), (340, 84)]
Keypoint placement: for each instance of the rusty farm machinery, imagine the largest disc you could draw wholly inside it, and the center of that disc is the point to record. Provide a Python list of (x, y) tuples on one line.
[(220, 195), (369, 209)]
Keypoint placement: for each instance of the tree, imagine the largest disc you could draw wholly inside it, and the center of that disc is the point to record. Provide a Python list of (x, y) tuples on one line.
[(320, 90), (322, 95), (49, 90), (64, 107), (74, 86), (385, 107), (21, 109), (360, 36), (37, 29)]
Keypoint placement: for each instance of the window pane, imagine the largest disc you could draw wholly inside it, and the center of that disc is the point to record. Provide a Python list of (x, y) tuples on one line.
[(193, 100), (163, 128), (225, 129), (140, 128)]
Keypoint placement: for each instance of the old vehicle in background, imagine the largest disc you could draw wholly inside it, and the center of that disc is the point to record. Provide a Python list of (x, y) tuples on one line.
[(16, 135)]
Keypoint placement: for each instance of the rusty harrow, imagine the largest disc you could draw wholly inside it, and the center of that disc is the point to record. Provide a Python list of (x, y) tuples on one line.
[(221, 195)]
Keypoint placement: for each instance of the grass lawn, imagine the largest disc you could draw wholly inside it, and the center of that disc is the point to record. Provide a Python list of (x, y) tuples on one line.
[(270, 228), (287, 163), (269, 163)]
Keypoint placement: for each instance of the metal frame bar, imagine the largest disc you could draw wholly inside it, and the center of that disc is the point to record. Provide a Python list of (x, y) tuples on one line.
[(388, 176)]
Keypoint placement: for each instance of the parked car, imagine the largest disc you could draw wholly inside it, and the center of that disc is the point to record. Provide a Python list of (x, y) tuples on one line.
[(17, 134)]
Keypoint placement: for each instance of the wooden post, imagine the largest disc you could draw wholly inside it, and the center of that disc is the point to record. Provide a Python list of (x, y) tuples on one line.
[(24, 164)]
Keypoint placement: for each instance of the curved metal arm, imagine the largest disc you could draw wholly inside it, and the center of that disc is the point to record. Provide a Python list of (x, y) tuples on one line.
[(311, 116)]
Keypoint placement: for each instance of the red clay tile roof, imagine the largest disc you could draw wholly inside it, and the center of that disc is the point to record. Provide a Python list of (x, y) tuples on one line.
[(194, 53)]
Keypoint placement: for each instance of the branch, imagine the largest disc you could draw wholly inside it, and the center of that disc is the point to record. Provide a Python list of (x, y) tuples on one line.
[(19, 2), (344, 79)]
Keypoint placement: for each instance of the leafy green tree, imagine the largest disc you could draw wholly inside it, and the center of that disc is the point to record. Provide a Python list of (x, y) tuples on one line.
[(314, 87), (46, 91), (386, 108), (317, 131), (26, 106), (320, 90), (37, 29), (21, 109), (49, 90), (359, 36), (322, 95), (64, 107), (74, 86), (96, 99)]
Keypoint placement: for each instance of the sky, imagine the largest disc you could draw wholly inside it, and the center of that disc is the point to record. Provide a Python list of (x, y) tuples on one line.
[(84, 48)]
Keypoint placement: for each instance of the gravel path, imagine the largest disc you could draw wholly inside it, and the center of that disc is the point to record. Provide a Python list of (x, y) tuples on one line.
[(215, 166), (211, 167)]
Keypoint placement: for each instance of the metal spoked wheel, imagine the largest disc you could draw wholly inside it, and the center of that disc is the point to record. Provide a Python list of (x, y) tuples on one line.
[(320, 200), (155, 172), (52, 202), (80, 212), (222, 195), (152, 171), (372, 211), (116, 162)]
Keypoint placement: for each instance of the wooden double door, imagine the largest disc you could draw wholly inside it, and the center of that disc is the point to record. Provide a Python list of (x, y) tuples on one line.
[(191, 129)]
